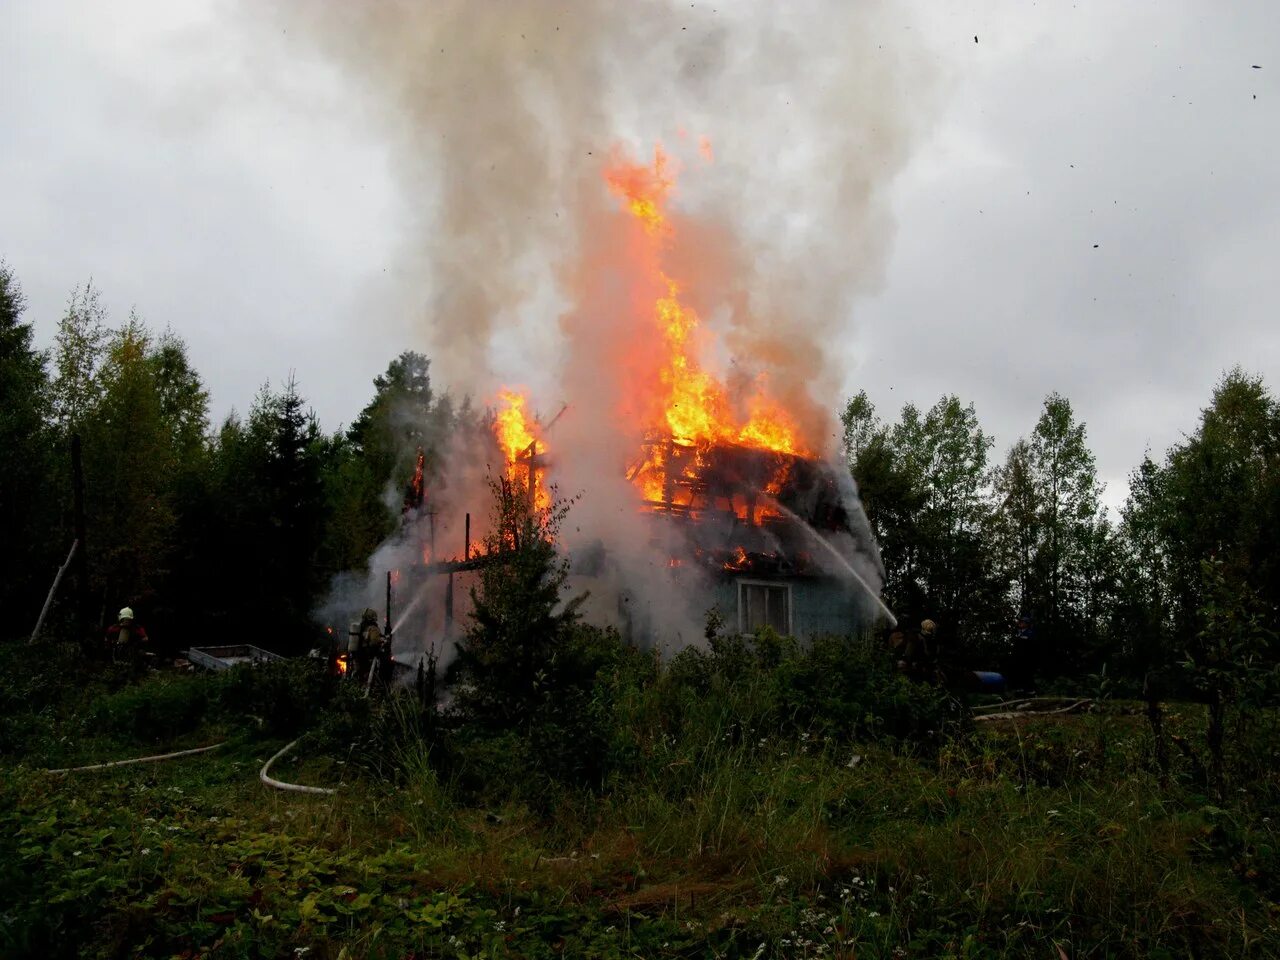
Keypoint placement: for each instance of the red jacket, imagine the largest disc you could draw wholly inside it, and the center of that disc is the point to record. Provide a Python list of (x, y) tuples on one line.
[(137, 633)]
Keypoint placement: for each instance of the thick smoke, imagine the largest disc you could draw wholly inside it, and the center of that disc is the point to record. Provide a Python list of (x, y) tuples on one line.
[(499, 113), (499, 117)]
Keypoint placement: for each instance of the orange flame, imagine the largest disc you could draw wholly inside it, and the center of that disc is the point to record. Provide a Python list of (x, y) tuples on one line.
[(521, 441), (695, 406)]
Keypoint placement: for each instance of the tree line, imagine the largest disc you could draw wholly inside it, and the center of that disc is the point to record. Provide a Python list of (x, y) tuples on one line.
[(221, 533), (1024, 569), (227, 531)]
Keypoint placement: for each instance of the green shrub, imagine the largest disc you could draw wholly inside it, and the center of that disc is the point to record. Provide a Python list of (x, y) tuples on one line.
[(842, 686), (153, 712), (286, 695), (770, 685)]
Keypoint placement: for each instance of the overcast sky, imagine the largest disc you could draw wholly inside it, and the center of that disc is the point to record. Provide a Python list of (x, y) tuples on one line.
[(1094, 209)]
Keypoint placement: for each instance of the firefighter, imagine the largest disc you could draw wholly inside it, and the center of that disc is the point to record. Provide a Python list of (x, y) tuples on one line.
[(125, 639), (369, 645), (918, 652), (929, 636)]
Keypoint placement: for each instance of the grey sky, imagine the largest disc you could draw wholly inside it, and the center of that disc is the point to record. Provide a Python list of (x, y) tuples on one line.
[(236, 190)]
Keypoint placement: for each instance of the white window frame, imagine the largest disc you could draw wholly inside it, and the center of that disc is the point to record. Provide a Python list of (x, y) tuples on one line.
[(777, 584)]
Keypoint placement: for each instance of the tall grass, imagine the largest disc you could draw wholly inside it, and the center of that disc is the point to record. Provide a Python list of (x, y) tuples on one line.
[(804, 799)]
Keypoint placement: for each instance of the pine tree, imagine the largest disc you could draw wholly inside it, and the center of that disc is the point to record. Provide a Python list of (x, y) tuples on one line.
[(28, 495), (517, 645), (294, 502), (400, 419)]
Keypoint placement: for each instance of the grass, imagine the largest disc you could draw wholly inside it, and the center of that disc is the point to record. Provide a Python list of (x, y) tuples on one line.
[(718, 831)]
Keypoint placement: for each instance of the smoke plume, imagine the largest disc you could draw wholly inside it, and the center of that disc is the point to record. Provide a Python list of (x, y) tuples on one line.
[(785, 123), (499, 114)]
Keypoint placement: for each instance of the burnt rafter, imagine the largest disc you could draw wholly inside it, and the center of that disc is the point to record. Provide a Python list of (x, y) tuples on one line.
[(742, 509), (748, 482)]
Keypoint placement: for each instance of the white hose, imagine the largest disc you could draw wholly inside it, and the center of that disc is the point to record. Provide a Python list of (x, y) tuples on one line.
[(125, 763), (1018, 714), (281, 785)]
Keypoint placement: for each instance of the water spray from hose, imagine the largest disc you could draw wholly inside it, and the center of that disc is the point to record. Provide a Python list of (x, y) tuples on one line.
[(840, 558)]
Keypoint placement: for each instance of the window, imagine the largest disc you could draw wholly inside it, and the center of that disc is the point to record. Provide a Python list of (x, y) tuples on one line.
[(764, 605)]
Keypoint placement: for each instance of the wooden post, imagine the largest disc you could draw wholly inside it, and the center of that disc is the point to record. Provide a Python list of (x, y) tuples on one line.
[(466, 550), (533, 479), (53, 590), (668, 489), (82, 552), (387, 631)]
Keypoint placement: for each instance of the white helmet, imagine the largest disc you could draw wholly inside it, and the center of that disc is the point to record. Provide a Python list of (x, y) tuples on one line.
[(126, 613)]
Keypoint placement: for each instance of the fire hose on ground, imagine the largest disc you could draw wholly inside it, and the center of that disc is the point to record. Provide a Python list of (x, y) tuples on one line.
[(263, 774), (151, 759), (280, 784)]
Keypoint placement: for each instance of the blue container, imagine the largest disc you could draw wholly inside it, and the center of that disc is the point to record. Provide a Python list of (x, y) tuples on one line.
[(989, 682)]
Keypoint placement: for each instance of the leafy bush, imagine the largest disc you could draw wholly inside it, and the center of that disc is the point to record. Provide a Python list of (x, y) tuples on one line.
[(153, 712), (286, 695), (767, 684), (842, 686), (47, 686)]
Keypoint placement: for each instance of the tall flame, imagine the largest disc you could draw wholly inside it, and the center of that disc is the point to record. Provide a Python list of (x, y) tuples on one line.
[(521, 442), (695, 406), (512, 427)]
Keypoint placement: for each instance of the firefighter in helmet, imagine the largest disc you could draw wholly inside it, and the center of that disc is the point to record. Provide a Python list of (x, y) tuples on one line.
[(369, 644), (125, 639), (918, 653)]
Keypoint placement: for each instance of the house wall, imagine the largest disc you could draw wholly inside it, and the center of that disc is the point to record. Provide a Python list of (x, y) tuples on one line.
[(817, 606)]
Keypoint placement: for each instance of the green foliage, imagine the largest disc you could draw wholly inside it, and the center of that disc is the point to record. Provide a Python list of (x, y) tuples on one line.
[(835, 687), (1055, 543), (518, 651), (286, 696), (1220, 494), (1235, 652), (923, 483), (78, 352), (256, 527), (28, 502), (753, 806), (756, 797), (402, 418), (130, 454), (152, 714), (357, 516)]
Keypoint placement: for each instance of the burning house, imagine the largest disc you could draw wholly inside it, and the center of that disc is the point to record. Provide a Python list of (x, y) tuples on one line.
[(765, 538), (693, 494)]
